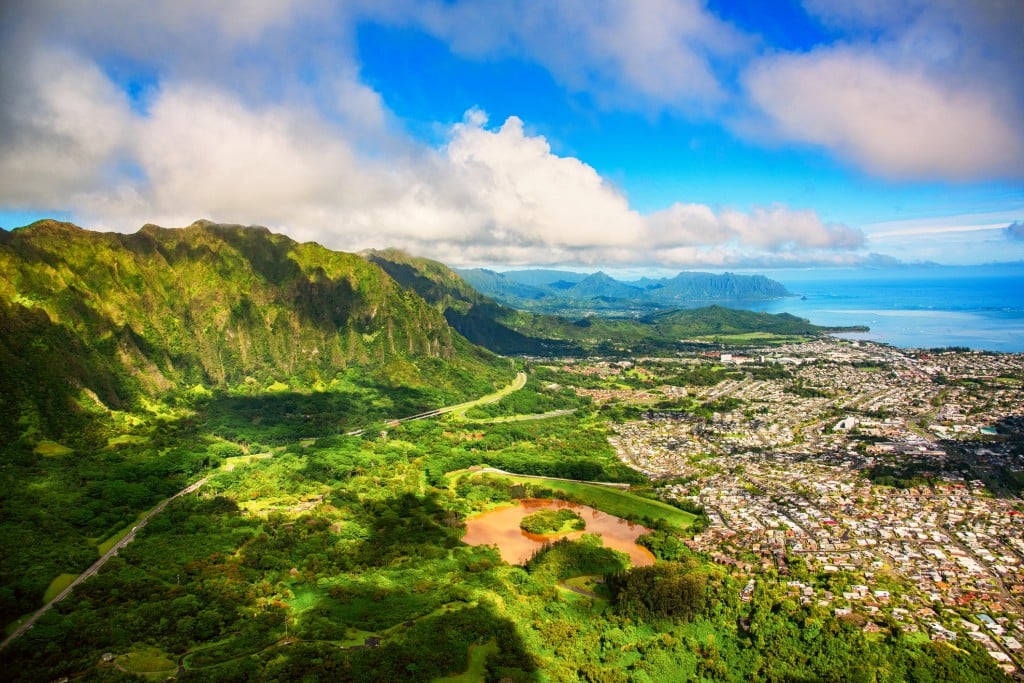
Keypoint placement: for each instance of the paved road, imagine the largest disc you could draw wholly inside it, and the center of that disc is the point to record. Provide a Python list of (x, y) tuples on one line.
[(518, 383), (91, 571)]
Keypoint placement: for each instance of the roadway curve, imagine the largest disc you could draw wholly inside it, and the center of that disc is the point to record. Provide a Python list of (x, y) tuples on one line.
[(518, 383), (91, 571)]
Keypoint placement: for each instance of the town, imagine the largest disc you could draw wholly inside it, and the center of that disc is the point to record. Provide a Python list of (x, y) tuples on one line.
[(882, 484)]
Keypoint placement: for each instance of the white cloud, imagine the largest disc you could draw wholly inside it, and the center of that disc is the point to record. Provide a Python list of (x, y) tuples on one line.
[(220, 137), (62, 129), (895, 122), (660, 54), (532, 196), (771, 229)]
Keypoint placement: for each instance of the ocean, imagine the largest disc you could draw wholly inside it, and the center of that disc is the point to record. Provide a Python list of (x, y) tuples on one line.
[(925, 307)]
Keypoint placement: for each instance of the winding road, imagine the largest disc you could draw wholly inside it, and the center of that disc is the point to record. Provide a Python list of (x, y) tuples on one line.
[(518, 383), (460, 409)]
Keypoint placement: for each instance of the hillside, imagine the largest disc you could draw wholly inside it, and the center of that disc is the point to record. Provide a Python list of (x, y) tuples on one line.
[(92, 321), (504, 329), (480, 319), (565, 292)]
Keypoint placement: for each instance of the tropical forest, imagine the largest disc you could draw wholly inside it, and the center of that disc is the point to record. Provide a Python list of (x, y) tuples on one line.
[(229, 456)]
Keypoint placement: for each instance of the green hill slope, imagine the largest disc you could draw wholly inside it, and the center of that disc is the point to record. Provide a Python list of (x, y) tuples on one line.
[(507, 330), (92, 320)]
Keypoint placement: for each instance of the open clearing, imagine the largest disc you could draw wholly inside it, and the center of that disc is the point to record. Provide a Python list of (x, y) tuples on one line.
[(478, 655), (57, 585), (146, 660), (51, 449), (611, 500)]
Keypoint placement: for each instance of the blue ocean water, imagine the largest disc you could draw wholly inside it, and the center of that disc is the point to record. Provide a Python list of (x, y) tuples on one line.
[(979, 308)]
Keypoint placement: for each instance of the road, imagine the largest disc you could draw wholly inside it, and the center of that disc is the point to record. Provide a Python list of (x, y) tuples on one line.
[(518, 383), (91, 571)]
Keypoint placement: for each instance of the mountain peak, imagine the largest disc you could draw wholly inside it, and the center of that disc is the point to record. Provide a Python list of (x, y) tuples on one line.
[(52, 225)]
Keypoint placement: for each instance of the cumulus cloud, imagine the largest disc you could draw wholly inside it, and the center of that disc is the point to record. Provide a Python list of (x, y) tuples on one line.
[(325, 159), (1015, 230), (664, 54), (771, 229), (64, 129), (915, 90), (528, 194), (897, 123)]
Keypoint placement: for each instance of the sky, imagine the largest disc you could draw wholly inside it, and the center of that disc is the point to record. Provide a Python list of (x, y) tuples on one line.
[(617, 134)]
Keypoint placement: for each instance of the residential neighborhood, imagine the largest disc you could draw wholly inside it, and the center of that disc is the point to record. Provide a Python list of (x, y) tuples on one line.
[(870, 480)]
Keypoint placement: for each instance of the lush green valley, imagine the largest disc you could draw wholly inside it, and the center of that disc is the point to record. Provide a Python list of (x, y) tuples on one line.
[(495, 326), (326, 540)]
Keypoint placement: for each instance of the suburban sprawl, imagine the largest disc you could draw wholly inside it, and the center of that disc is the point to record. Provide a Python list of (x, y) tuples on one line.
[(877, 482)]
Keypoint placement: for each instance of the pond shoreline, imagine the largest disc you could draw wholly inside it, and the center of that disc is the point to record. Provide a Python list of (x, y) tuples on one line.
[(500, 527)]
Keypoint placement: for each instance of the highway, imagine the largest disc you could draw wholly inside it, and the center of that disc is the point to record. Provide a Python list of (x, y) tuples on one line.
[(98, 564), (518, 383)]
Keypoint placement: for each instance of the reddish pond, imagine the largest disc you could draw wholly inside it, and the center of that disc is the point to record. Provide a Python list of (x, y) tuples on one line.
[(500, 527)]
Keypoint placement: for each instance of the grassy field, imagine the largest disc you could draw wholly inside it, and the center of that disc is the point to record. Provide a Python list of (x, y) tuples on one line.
[(477, 658), (57, 585), (753, 337), (112, 540), (459, 411), (613, 501), (51, 449), (127, 440), (146, 660)]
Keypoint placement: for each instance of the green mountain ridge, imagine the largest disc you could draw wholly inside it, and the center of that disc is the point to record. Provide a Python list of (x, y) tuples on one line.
[(102, 318), (553, 291), (503, 329)]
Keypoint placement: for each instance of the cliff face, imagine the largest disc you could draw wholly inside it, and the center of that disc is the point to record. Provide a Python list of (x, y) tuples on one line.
[(118, 316)]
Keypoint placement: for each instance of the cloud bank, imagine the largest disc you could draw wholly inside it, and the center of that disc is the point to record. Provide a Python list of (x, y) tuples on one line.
[(893, 122), (917, 90), (122, 114)]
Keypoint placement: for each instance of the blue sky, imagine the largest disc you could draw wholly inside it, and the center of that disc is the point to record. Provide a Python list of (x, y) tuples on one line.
[(615, 134)]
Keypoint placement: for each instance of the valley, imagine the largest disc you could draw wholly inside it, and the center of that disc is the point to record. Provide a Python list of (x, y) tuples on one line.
[(804, 506)]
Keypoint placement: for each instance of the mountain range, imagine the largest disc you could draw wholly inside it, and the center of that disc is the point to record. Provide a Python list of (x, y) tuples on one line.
[(92, 321), (553, 291)]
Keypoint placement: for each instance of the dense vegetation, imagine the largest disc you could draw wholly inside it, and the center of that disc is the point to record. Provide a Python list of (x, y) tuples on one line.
[(503, 329), (547, 291), (336, 560), (552, 522), (326, 541)]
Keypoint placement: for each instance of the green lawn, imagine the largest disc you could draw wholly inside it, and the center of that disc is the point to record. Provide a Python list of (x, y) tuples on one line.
[(111, 541), (614, 501), (51, 449), (757, 337), (57, 585), (147, 660)]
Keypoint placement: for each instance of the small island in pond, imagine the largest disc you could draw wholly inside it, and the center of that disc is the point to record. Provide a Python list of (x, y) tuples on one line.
[(552, 522)]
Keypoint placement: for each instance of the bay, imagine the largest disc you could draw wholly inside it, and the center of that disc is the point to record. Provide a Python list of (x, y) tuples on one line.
[(975, 307)]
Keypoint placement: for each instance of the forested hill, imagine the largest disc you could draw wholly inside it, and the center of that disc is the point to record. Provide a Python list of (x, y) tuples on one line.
[(91, 321), (477, 317), (553, 291), (503, 329)]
